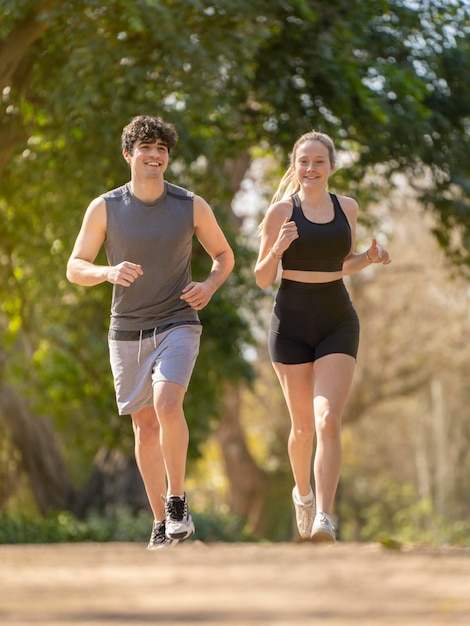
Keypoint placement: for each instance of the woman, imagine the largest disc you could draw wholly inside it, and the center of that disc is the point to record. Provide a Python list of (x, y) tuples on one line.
[(314, 332)]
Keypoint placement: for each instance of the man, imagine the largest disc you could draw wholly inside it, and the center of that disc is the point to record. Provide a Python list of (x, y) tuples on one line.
[(147, 227)]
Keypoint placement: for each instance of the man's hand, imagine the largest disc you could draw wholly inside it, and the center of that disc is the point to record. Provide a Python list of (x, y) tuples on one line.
[(197, 295), (124, 274)]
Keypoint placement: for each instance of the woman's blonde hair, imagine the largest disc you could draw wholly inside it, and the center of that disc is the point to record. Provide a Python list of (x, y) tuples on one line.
[(289, 184)]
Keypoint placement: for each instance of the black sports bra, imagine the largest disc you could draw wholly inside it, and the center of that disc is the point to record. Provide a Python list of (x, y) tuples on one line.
[(319, 247)]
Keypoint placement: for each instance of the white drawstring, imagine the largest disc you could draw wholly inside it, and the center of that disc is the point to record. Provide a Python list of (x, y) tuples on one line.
[(140, 347), (140, 343)]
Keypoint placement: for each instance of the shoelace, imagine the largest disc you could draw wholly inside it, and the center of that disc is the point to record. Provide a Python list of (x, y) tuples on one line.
[(175, 508), (158, 533), (325, 521)]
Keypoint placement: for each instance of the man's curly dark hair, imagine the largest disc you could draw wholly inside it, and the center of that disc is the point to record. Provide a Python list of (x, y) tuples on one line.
[(148, 128)]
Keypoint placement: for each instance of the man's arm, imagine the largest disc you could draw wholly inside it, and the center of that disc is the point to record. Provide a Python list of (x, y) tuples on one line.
[(212, 239), (81, 268)]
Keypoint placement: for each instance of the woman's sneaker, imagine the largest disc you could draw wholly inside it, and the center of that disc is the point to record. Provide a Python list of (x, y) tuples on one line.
[(158, 538), (323, 529), (304, 515), (179, 523)]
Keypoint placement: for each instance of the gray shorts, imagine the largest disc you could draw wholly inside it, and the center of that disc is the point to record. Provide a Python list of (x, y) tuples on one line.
[(167, 356)]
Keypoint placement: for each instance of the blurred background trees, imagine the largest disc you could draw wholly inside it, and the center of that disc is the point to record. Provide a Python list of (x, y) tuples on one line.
[(390, 81)]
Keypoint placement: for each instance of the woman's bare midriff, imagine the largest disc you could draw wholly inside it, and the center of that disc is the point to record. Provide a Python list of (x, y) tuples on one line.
[(311, 277)]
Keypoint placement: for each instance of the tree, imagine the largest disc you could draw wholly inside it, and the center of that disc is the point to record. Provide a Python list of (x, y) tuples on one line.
[(39, 317), (405, 434), (390, 81), (409, 390), (238, 80)]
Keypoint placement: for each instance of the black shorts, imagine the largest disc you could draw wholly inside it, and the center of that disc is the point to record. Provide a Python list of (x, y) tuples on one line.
[(312, 320)]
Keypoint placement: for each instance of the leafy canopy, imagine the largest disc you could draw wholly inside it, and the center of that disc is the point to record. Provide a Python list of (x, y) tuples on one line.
[(389, 80)]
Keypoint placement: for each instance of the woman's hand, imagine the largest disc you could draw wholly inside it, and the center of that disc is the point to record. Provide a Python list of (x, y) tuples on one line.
[(377, 254), (287, 234)]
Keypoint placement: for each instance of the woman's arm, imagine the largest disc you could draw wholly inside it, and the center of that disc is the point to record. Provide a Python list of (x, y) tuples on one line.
[(357, 261), (277, 233)]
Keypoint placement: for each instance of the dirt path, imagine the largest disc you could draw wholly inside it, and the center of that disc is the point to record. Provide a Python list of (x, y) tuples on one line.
[(233, 585)]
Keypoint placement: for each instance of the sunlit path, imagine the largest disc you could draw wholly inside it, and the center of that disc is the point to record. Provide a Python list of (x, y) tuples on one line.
[(233, 585)]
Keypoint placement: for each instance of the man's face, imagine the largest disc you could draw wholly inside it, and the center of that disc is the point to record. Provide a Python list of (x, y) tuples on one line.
[(149, 159)]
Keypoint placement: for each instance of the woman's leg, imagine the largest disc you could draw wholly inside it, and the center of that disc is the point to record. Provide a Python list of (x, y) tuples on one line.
[(333, 375), (297, 385)]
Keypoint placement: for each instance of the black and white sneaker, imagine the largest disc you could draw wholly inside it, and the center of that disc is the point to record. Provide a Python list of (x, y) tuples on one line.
[(179, 523), (158, 538)]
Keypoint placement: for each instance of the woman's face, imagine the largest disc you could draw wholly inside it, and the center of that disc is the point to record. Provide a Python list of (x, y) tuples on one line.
[(312, 164)]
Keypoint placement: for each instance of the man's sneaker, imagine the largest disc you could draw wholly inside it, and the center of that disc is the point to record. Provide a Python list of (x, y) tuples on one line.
[(304, 515), (323, 529), (179, 523), (158, 538)]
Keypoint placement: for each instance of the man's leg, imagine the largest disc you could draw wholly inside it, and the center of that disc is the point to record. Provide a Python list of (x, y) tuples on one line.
[(177, 350), (150, 462), (149, 458), (174, 434), (174, 441)]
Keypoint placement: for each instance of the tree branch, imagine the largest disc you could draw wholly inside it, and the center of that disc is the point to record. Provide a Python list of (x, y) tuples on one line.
[(21, 38)]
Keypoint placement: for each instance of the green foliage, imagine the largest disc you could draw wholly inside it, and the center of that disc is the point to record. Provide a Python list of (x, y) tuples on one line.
[(393, 515), (62, 526), (411, 522), (110, 63), (389, 80)]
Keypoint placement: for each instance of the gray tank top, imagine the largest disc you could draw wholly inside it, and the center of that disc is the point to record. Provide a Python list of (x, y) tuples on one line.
[(157, 236)]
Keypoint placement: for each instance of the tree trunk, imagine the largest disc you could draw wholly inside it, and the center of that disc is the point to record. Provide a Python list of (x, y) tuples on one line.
[(442, 460), (115, 482), (248, 483), (21, 38), (40, 457), (13, 52)]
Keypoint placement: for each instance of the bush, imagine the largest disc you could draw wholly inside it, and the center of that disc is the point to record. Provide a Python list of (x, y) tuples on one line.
[(391, 513), (120, 525)]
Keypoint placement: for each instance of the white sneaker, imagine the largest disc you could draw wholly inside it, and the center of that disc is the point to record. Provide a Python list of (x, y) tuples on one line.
[(323, 529), (304, 515), (179, 523)]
